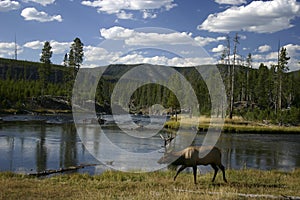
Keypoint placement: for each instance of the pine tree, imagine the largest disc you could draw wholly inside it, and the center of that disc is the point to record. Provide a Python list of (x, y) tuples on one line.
[(249, 66), (66, 62), (76, 55), (262, 86), (44, 70), (281, 69), (46, 53)]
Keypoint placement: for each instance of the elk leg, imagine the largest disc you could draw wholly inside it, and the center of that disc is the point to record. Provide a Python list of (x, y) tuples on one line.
[(216, 171), (179, 170), (223, 171), (195, 173)]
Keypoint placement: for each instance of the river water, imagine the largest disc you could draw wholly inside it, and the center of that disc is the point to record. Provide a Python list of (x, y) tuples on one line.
[(28, 146)]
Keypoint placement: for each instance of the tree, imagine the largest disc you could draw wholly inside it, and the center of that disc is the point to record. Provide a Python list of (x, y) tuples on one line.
[(236, 41), (281, 69), (249, 66), (66, 63), (46, 53), (76, 55), (262, 85), (44, 70)]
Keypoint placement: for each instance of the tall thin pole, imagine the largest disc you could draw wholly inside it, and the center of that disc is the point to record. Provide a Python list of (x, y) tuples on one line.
[(16, 48)]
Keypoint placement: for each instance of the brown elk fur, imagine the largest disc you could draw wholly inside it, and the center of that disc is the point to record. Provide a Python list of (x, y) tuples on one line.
[(189, 157)]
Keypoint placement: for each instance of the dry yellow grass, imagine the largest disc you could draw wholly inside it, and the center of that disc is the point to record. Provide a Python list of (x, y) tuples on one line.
[(154, 185), (235, 125)]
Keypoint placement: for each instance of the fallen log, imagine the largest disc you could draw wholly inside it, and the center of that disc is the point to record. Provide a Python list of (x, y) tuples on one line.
[(60, 170)]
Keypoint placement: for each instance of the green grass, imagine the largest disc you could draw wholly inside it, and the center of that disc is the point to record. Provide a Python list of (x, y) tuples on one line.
[(153, 185)]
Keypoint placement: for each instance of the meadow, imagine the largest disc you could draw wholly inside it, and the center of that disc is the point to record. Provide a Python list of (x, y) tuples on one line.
[(242, 184)]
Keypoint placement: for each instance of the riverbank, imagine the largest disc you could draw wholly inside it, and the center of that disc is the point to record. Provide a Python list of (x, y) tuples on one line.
[(154, 185), (235, 125)]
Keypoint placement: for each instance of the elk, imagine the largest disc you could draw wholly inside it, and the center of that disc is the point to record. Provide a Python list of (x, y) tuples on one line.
[(189, 157)]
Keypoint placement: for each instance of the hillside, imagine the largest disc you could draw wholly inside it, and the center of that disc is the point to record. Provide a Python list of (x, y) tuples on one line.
[(255, 90)]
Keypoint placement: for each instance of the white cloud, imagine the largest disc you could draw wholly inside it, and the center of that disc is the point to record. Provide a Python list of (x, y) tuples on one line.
[(293, 51), (218, 49), (258, 16), (33, 14), (42, 2), (132, 37), (135, 38), (264, 48), (97, 54), (7, 49), (7, 5), (116, 6), (57, 47), (270, 58), (163, 60), (231, 2), (203, 41), (147, 14), (34, 44), (123, 15), (60, 47)]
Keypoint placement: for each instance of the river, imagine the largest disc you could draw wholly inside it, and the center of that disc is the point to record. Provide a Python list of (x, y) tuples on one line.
[(28, 146)]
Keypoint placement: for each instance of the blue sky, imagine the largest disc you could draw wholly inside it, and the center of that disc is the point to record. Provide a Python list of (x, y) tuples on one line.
[(182, 33)]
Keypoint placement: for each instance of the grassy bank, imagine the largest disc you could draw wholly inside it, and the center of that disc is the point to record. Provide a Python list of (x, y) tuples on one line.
[(155, 185), (235, 125)]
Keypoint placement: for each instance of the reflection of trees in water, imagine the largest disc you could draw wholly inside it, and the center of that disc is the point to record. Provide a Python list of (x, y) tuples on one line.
[(261, 153), (68, 147), (41, 151)]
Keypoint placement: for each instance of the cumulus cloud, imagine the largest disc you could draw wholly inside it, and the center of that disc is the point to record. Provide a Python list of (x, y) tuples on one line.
[(147, 14), (42, 2), (203, 41), (117, 6), (293, 51), (34, 44), (7, 49), (57, 47), (264, 48), (163, 60), (258, 16), (270, 58), (135, 38), (123, 15), (33, 14), (231, 2), (132, 37), (218, 49), (7, 5), (97, 54)]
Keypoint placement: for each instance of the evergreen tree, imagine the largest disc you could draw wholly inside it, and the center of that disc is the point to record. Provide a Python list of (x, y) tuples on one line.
[(249, 66), (66, 62), (44, 70), (76, 55), (281, 69), (262, 86), (46, 53)]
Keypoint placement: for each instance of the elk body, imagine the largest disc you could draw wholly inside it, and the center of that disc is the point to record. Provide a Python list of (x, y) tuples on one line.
[(189, 157)]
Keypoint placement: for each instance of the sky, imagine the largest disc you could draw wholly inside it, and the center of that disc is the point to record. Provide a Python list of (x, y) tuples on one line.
[(166, 32)]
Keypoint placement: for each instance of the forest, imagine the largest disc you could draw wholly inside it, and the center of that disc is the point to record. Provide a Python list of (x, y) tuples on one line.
[(256, 91)]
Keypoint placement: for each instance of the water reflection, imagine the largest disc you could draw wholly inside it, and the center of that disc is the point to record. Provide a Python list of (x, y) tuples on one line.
[(35, 146), (261, 151)]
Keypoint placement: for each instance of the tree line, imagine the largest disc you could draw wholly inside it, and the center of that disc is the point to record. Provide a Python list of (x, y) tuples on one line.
[(267, 93)]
